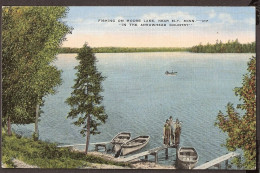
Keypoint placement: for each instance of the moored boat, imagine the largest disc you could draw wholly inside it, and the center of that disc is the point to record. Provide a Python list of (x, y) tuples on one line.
[(134, 145), (187, 158), (121, 138)]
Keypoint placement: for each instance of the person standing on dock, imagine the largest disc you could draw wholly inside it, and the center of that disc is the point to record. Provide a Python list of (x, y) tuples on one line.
[(171, 122), (177, 131), (166, 133)]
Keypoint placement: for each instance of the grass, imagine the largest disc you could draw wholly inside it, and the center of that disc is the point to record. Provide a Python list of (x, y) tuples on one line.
[(46, 155)]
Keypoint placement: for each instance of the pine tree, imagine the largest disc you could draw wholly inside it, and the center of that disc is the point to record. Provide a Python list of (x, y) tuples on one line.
[(241, 130), (85, 100)]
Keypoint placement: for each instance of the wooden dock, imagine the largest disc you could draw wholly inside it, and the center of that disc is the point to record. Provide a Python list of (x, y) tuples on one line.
[(97, 145), (72, 145), (218, 161), (153, 152)]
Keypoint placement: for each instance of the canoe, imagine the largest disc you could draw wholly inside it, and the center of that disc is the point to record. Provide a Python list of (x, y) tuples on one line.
[(134, 145), (187, 158), (121, 138)]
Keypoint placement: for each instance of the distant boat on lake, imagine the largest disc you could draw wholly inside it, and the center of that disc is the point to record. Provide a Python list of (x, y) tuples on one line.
[(171, 73)]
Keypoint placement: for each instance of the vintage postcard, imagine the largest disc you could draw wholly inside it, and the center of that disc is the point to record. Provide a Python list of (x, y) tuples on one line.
[(129, 87)]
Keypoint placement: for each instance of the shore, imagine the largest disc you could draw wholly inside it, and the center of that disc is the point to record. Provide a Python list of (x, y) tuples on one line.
[(22, 152), (137, 164)]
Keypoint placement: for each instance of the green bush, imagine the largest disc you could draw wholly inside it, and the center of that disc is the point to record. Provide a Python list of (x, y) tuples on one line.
[(8, 161)]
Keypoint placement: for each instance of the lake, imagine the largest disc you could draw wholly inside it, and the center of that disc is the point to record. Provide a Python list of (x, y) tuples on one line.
[(139, 97)]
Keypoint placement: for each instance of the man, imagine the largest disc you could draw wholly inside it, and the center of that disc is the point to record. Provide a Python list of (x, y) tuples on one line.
[(177, 131), (171, 122)]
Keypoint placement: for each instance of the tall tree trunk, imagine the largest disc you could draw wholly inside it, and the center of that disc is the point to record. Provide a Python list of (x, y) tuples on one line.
[(9, 132), (88, 135), (36, 130)]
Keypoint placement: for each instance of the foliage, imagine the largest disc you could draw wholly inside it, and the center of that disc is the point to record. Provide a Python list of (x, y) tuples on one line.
[(68, 50), (31, 37), (124, 49), (229, 47), (219, 47), (45, 155), (241, 130), (85, 100)]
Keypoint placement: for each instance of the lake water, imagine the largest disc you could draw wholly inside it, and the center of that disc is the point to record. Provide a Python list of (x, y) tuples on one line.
[(139, 97)]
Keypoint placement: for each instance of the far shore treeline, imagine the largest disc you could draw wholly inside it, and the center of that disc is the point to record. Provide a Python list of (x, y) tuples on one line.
[(229, 47), (218, 47), (125, 49)]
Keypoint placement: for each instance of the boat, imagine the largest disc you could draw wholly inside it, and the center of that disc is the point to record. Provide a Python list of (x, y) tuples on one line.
[(121, 138), (134, 145), (187, 158), (171, 73)]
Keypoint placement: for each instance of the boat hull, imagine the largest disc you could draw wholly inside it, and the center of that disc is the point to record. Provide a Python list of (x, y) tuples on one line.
[(171, 74), (187, 158), (121, 138), (185, 165), (127, 148)]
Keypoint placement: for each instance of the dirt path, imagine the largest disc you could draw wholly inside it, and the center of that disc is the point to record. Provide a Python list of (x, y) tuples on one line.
[(21, 164)]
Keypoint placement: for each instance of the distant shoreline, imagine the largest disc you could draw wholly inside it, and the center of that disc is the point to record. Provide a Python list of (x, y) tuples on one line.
[(166, 52), (126, 49), (218, 47)]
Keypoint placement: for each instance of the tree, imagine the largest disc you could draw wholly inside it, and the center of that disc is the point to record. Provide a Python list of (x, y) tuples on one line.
[(85, 100), (31, 37), (45, 80), (241, 130), (229, 47)]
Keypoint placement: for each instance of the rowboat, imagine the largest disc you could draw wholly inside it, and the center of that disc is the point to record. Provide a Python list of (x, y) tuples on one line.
[(134, 145), (171, 73), (187, 158), (121, 138)]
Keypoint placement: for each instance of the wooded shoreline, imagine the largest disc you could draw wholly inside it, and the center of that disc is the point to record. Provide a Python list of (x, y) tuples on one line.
[(124, 49), (218, 47)]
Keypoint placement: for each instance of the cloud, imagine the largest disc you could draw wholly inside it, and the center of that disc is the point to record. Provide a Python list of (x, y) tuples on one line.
[(221, 25), (226, 18), (250, 21), (74, 21), (212, 14), (173, 15), (80, 22)]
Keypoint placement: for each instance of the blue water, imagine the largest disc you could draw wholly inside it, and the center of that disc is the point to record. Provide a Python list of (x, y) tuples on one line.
[(139, 97)]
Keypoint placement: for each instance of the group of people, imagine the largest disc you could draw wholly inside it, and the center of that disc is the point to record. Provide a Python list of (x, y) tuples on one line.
[(171, 132)]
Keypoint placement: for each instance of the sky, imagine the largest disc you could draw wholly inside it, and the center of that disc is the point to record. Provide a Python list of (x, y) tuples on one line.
[(219, 23)]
